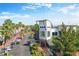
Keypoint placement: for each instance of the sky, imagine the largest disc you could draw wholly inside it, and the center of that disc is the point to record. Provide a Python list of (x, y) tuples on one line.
[(28, 13)]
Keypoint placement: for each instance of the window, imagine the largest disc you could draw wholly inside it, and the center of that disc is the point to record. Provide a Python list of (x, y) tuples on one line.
[(42, 27), (48, 33), (42, 33), (54, 33), (59, 32), (48, 27)]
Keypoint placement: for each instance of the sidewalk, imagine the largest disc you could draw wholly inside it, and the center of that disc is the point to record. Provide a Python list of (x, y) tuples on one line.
[(9, 42)]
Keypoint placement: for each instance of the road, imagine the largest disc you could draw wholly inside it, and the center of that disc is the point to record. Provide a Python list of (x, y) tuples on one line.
[(21, 50)]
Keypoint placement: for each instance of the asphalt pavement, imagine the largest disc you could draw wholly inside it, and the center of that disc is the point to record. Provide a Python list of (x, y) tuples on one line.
[(20, 49)]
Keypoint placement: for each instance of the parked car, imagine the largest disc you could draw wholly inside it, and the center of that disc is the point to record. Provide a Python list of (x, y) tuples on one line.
[(19, 38), (9, 49), (31, 44), (27, 43), (30, 37), (17, 41)]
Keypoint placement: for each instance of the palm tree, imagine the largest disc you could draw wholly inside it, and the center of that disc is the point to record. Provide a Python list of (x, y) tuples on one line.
[(8, 28), (35, 29), (65, 43)]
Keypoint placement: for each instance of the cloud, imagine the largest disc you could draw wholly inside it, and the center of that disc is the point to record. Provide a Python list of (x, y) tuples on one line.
[(75, 14), (37, 5), (72, 10), (8, 15), (68, 9), (70, 14), (13, 16)]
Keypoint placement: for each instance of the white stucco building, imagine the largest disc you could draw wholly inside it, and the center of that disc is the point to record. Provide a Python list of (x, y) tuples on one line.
[(46, 30)]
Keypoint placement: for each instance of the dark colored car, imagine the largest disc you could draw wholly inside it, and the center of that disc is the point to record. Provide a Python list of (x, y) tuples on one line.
[(27, 43), (18, 38)]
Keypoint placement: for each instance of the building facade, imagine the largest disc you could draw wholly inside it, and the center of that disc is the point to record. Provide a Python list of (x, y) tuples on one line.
[(47, 31)]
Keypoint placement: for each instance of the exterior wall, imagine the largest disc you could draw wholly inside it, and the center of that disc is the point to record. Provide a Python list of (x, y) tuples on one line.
[(55, 30), (49, 28), (45, 26), (74, 28)]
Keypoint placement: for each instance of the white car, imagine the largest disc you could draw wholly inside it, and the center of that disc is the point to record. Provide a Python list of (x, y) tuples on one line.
[(31, 44), (18, 40), (9, 49)]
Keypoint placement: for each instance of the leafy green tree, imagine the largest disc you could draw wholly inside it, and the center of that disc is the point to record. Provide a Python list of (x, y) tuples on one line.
[(38, 52), (7, 29), (65, 43), (36, 28), (19, 26), (77, 37)]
